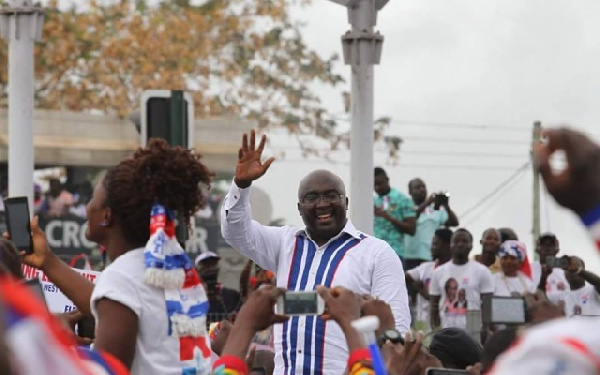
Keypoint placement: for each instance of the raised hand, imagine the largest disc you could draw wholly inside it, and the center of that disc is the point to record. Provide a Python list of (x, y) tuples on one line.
[(578, 186), (249, 166)]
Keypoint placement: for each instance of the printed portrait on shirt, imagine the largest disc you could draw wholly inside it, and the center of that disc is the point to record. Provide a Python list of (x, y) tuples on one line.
[(577, 310)]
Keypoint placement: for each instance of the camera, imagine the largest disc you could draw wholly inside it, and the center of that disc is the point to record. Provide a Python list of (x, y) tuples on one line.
[(561, 262), (441, 198)]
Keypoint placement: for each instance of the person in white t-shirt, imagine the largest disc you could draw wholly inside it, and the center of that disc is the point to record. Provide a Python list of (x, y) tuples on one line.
[(420, 277), (548, 247), (583, 298), (147, 326), (511, 281), (458, 285)]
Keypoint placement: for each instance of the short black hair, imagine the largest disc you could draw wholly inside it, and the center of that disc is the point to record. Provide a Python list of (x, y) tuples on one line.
[(444, 234), (464, 230), (380, 172)]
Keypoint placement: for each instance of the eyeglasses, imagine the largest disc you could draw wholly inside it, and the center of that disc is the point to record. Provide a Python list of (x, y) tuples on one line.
[(312, 199)]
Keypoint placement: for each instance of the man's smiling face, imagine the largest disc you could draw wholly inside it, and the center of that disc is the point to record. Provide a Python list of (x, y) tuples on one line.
[(322, 205)]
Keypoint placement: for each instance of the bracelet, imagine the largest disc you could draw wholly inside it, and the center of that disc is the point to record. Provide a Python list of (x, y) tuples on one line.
[(578, 271)]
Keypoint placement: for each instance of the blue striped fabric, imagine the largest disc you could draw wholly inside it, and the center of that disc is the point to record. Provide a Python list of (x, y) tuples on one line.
[(314, 330)]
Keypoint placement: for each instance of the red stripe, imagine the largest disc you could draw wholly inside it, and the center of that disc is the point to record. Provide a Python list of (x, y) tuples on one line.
[(598, 244), (581, 348)]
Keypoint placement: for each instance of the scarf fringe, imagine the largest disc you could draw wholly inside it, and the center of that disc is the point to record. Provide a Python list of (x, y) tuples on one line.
[(184, 325)]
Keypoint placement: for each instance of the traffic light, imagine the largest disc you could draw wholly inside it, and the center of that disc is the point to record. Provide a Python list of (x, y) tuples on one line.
[(168, 115)]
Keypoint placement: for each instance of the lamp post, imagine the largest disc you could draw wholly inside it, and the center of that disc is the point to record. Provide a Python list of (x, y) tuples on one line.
[(21, 25), (362, 49)]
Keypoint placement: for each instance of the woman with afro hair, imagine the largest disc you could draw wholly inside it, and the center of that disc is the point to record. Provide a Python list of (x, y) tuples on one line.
[(149, 304)]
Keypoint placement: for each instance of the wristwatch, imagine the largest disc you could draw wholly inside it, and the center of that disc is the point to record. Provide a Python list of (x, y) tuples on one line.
[(392, 336)]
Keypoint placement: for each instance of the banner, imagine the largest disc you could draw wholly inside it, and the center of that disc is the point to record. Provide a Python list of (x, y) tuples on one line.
[(57, 302), (66, 235)]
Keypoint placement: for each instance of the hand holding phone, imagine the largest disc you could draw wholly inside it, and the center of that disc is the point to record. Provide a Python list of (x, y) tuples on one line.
[(300, 303), (18, 223), (503, 310)]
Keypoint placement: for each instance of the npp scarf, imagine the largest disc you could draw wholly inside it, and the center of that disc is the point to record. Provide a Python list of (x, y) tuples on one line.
[(169, 268)]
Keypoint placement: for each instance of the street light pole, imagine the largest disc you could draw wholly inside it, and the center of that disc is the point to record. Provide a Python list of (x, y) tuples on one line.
[(362, 49), (21, 25)]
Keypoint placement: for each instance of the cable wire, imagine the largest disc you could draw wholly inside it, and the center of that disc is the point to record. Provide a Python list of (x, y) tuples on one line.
[(497, 189)]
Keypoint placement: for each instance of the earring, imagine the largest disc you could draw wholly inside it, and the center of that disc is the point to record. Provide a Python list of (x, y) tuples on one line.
[(103, 223)]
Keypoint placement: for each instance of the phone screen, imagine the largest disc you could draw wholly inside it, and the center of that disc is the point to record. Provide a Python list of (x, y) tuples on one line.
[(443, 371), (300, 303), (17, 220), (508, 310)]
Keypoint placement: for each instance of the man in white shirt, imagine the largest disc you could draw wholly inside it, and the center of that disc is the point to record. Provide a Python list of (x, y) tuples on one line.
[(420, 277), (329, 251), (583, 298), (548, 246), (458, 285)]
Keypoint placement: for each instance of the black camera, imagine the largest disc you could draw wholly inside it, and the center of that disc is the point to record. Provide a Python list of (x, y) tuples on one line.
[(440, 199)]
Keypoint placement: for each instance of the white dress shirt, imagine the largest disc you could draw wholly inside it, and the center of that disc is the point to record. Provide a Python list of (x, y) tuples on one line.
[(361, 263)]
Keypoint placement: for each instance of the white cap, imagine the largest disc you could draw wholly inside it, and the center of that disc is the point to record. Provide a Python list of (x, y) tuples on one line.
[(205, 256)]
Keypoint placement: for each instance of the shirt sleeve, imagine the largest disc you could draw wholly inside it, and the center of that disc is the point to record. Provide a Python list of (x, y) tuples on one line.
[(434, 286), (486, 280), (406, 207), (256, 241), (118, 287), (388, 284), (415, 273)]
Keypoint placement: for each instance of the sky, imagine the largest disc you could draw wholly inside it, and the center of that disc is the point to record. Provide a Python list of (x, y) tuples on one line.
[(463, 81)]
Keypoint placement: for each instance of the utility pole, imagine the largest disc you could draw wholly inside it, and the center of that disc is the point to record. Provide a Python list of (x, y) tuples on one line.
[(21, 25), (535, 227), (362, 49)]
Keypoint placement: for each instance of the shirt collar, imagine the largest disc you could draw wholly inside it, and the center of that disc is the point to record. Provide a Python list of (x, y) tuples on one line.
[(348, 228)]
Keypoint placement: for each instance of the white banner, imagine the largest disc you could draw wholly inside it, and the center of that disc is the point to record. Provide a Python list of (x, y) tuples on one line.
[(57, 302)]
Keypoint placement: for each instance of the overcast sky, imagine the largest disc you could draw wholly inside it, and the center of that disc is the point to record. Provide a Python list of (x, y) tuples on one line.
[(463, 82), (451, 64)]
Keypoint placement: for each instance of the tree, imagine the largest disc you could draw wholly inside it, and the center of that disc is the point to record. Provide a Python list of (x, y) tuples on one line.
[(239, 58)]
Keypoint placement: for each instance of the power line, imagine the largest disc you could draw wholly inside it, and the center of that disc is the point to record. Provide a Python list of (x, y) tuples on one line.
[(464, 140), (413, 152), (490, 168), (496, 189), (507, 188), (464, 125)]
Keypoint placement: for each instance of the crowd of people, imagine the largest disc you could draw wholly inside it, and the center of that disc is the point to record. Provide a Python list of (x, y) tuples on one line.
[(435, 306)]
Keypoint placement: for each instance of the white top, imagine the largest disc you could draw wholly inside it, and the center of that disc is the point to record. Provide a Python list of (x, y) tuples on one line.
[(155, 351), (556, 282), (423, 274), (361, 263), (582, 301), (460, 288), (561, 346), (505, 286)]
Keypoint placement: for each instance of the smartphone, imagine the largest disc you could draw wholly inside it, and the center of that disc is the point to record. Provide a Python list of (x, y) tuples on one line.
[(503, 310), (441, 199), (36, 287), (300, 303), (444, 371), (258, 371), (17, 223), (561, 262), (86, 327)]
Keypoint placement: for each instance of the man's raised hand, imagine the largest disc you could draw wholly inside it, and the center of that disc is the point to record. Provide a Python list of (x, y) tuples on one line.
[(249, 166)]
